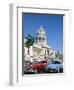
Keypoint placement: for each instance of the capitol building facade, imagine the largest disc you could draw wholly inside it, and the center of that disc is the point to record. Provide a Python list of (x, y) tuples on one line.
[(40, 50)]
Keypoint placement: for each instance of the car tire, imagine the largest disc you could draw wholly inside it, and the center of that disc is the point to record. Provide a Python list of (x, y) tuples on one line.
[(61, 70), (36, 71)]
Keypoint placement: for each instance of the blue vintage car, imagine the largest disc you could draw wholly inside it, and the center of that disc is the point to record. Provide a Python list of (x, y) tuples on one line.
[(54, 67)]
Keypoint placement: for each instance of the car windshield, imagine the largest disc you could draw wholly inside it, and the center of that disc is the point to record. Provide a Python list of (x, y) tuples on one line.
[(43, 61), (56, 62), (35, 62)]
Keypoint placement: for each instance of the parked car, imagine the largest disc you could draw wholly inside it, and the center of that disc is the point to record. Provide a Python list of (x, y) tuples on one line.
[(54, 67), (38, 66)]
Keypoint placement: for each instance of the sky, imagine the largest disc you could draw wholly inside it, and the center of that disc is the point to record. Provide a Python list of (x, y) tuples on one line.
[(53, 25)]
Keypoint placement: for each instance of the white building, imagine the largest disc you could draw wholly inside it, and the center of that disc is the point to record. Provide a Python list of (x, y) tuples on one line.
[(40, 49)]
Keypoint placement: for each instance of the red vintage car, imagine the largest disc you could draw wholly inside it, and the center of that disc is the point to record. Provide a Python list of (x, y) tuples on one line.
[(38, 66)]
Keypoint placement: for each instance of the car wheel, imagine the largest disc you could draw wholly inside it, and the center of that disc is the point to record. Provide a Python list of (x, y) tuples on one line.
[(36, 71), (61, 70)]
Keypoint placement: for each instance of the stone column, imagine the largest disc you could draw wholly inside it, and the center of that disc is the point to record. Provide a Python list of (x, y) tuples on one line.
[(31, 53)]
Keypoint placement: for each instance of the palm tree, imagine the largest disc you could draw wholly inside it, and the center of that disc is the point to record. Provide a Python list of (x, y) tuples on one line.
[(29, 41), (57, 54)]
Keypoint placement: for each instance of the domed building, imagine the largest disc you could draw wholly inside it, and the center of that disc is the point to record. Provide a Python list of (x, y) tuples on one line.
[(40, 49)]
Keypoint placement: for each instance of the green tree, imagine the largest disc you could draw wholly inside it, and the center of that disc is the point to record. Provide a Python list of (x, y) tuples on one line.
[(57, 54), (29, 41)]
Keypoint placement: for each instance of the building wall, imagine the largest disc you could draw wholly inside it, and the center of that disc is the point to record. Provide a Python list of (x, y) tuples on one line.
[(39, 50)]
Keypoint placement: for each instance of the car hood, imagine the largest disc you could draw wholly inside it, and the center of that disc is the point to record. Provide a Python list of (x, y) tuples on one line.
[(54, 65)]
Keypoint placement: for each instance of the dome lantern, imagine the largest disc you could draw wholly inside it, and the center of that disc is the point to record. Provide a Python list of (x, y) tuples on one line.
[(41, 36)]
